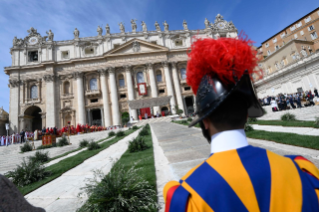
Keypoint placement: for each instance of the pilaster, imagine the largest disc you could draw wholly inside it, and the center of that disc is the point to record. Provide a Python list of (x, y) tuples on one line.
[(154, 91), (130, 90), (114, 97), (81, 104), (50, 100), (177, 88), (169, 87), (105, 96)]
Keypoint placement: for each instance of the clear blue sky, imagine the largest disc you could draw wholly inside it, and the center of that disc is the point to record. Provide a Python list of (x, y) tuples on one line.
[(259, 19)]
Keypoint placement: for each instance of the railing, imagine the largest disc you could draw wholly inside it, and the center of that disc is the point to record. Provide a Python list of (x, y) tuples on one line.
[(92, 92)]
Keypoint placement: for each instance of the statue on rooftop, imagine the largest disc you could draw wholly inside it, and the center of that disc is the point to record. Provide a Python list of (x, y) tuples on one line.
[(50, 35), (207, 23), (166, 26), (107, 29), (134, 25), (185, 25), (157, 26), (144, 26), (99, 30), (76, 33), (122, 28)]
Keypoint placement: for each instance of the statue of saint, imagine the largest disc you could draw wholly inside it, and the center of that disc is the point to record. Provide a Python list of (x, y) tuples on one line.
[(134, 26), (231, 26), (122, 28), (157, 26), (107, 29), (219, 18), (185, 25), (206, 23), (99, 30), (76, 33), (166, 26), (15, 41), (50, 35), (144, 26)]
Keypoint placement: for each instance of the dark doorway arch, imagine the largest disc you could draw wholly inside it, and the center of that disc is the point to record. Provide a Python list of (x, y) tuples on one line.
[(33, 113)]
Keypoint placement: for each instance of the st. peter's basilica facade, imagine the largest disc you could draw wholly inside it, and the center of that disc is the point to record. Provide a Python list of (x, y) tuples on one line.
[(95, 79)]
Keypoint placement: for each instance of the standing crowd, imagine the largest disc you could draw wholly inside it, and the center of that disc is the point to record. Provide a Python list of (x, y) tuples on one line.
[(291, 101)]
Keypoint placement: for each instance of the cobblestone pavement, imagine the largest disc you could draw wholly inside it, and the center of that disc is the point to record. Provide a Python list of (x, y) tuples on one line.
[(185, 147), (10, 156), (305, 113)]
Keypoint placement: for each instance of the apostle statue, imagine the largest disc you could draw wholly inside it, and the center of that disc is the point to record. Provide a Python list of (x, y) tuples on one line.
[(185, 25), (122, 28), (231, 26), (50, 35), (107, 29), (76, 33), (157, 26), (166, 26), (206, 23), (144, 26), (100, 31), (15, 41), (219, 18), (134, 26)]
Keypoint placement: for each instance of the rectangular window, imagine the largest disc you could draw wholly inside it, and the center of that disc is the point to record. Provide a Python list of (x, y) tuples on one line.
[(65, 55), (268, 52), (94, 100), (314, 35), (283, 34), (307, 19), (276, 47), (292, 28), (122, 96), (311, 28), (161, 91), (267, 45), (296, 36), (159, 78), (274, 40), (121, 82), (33, 56), (187, 88), (301, 32), (299, 24)]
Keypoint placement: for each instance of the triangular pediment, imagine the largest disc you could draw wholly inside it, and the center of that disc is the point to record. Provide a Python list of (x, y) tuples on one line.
[(136, 46)]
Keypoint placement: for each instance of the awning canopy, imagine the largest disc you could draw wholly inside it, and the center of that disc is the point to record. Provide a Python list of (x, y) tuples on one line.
[(151, 102)]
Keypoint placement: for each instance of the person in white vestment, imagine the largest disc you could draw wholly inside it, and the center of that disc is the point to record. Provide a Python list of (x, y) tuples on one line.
[(13, 138), (2, 140), (35, 135)]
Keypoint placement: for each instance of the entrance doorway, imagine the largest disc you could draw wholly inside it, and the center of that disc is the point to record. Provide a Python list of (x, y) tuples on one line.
[(164, 111), (189, 101), (33, 118), (96, 117), (146, 111)]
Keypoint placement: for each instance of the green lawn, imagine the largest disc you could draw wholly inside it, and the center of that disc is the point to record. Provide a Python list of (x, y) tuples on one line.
[(286, 138), (143, 160), (306, 141), (64, 165), (286, 123)]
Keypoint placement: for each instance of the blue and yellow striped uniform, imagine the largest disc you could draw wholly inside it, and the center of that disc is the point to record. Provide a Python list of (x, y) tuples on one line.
[(246, 179)]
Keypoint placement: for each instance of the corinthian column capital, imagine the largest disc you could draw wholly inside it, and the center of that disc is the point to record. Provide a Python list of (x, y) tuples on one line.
[(165, 63), (102, 72), (149, 65), (127, 67), (78, 75), (173, 64), (111, 70)]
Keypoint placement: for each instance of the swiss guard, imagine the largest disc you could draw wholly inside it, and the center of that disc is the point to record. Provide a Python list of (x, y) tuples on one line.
[(236, 176)]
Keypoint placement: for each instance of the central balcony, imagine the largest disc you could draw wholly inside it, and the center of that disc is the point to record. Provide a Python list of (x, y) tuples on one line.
[(92, 93)]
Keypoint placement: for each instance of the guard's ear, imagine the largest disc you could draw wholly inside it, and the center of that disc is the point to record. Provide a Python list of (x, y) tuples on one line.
[(206, 123)]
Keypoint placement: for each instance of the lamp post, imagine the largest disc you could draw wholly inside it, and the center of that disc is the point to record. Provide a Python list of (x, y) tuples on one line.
[(7, 128)]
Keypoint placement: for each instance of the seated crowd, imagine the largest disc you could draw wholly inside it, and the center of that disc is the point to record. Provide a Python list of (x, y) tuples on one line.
[(290, 101), (24, 136)]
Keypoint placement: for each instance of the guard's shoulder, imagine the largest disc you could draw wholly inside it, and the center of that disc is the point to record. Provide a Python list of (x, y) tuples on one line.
[(305, 165), (190, 172)]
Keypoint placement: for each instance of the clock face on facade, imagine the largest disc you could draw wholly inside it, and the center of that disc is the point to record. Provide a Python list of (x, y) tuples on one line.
[(33, 40), (221, 25)]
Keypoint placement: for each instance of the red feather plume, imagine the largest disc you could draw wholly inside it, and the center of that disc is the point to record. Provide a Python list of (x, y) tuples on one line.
[(222, 57)]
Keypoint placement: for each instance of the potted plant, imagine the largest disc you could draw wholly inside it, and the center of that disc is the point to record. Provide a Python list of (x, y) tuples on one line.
[(179, 112), (125, 118)]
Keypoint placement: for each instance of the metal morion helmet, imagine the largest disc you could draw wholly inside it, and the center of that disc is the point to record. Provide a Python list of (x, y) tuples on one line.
[(219, 69)]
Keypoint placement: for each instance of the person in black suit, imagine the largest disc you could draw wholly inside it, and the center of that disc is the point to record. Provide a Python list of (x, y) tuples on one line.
[(22, 134)]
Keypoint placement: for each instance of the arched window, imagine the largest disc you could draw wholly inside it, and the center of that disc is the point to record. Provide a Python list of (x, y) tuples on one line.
[(140, 77), (66, 87), (34, 92), (93, 84), (159, 76), (121, 81), (183, 73)]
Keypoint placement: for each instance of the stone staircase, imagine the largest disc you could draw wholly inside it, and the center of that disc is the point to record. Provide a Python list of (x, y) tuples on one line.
[(305, 113), (154, 120), (10, 156)]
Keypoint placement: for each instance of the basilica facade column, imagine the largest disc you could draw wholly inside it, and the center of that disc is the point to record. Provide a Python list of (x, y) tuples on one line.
[(50, 100), (105, 96), (114, 97), (154, 91), (169, 87), (130, 90), (177, 88), (80, 94)]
